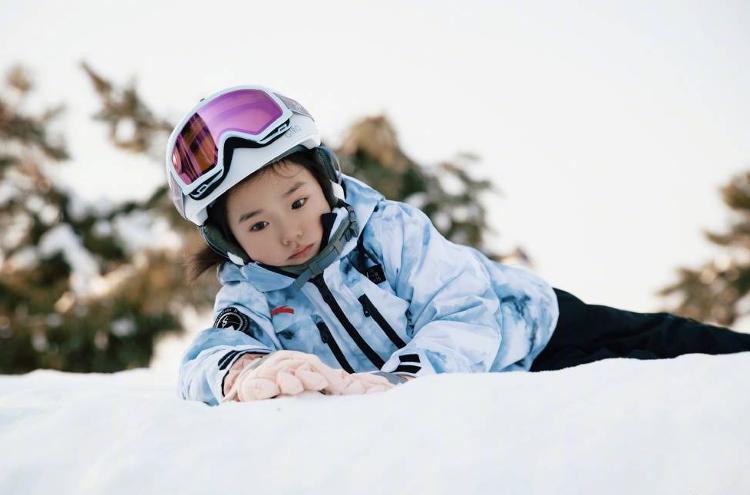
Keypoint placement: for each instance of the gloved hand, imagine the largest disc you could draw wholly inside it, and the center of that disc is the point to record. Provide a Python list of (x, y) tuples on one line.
[(281, 372), (365, 383), (292, 372), (343, 383)]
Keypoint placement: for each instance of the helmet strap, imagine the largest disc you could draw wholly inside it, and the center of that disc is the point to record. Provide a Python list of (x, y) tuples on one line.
[(347, 230)]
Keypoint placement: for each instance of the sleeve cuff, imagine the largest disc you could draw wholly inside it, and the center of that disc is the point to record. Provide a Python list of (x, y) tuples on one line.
[(227, 360), (409, 362)]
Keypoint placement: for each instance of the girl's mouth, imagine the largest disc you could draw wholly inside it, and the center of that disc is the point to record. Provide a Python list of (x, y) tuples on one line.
[(302, 252)]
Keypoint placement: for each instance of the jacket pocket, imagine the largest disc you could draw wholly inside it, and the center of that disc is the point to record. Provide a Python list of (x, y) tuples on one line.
[(372, 312), (327, 338)]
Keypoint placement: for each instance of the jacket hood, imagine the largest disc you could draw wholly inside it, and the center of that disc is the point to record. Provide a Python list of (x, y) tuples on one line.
[(361, 197)]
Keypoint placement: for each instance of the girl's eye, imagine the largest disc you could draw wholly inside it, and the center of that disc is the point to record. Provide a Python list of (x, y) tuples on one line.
[(299, 203), (258, 226)]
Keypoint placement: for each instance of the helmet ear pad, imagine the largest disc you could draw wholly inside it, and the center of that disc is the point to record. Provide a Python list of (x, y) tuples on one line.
[(216, 233), (328, 161), (223, 245), (331, 168)]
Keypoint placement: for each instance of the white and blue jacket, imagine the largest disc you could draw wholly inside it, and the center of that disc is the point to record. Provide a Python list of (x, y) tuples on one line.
[(400, 298)]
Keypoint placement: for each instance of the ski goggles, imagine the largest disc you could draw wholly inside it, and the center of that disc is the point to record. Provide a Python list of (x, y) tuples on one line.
[(195, 148)]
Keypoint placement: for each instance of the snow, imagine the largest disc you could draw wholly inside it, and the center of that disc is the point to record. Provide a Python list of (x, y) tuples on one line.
[(84, 269), (616, 426), (7, 192), (140, 230)]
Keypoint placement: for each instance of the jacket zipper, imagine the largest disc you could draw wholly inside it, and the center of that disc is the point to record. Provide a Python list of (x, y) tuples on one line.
[(327, 338), (329, 299), (371, 311)]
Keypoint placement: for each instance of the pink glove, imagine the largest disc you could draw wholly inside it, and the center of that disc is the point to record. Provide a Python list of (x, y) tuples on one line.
[(342, 383), (358, 383), (278, 373), (292, 372)]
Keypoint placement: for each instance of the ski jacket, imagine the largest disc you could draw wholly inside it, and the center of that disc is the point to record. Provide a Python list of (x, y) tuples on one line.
[(399, 298)]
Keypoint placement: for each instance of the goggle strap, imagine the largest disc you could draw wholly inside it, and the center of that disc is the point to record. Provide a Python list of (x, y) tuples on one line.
[(293, 105)]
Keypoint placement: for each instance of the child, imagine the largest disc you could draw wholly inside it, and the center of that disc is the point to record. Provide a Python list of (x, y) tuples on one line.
[(327, 286)]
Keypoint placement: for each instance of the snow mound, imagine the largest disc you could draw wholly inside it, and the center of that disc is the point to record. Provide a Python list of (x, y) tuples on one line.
[(616, 426)]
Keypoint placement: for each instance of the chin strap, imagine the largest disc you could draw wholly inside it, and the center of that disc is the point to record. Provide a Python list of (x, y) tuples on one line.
[(347, 230)]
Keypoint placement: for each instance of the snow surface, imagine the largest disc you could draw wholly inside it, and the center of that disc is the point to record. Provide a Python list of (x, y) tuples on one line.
[(616, 426)]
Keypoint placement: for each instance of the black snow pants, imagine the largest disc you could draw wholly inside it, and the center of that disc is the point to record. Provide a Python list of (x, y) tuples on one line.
[(586, 333)]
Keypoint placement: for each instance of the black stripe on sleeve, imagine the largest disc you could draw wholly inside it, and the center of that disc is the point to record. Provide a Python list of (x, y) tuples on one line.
[(409, 358), (224, 361), (407, 368), (238, 354)]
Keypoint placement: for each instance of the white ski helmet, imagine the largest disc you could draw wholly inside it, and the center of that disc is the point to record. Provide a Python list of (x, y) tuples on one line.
[(267, 125)]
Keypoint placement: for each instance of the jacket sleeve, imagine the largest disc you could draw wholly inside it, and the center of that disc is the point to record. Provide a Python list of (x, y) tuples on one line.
[(453, 311), (241, 327)]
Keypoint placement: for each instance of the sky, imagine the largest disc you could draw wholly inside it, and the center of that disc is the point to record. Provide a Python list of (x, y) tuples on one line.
[(609, 127)]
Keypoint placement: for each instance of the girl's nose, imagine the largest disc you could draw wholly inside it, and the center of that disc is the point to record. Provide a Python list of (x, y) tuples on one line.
[(291, 235)]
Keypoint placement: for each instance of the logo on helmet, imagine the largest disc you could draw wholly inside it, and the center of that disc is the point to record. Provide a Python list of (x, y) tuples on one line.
[(293, 130)]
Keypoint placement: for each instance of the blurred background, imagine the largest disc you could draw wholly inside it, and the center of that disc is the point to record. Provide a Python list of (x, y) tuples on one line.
[(606, 145)]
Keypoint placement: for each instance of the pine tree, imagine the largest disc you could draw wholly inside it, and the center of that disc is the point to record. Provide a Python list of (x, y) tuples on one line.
[(73, 295), (717, 290)]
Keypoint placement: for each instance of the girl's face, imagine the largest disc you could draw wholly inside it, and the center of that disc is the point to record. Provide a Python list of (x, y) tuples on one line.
[(275, 217)]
